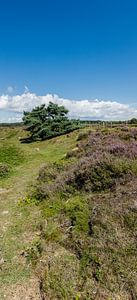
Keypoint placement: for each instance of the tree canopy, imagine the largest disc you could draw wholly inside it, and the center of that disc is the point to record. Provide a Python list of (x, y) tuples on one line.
[(44, 122)]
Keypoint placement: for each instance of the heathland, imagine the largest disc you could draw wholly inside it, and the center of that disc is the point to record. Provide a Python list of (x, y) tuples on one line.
[(68, 210)]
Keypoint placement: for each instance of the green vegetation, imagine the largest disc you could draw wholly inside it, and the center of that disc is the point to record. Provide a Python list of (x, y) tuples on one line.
[(11, 155), (89, 206), (20, 220), (47, 122), (72, 212)]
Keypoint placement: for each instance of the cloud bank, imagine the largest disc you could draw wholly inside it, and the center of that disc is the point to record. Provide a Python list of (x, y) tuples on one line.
[(12, 107)]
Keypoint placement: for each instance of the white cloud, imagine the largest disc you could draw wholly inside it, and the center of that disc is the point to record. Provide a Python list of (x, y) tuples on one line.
[(4, 101), (92, 109)]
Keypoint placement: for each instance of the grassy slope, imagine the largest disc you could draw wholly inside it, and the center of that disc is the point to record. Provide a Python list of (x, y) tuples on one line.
[(19, 225), (54, 242), (87, 248)]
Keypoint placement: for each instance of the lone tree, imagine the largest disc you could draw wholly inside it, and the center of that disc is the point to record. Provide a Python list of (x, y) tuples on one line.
[(47, 122)]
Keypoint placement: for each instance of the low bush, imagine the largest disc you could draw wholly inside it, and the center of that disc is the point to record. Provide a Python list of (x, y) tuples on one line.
[(47, 173), (102, 161), (93, 174)]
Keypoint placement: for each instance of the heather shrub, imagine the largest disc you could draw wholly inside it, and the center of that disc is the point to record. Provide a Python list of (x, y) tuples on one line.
[(47, 173), (116, 148), (99, 174), (89, 174), (119, 148), (111, 143), (47, 180), (103, 160)]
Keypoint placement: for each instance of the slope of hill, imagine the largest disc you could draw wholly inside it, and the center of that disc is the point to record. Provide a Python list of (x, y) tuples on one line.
[(69, 215), (19, 224)]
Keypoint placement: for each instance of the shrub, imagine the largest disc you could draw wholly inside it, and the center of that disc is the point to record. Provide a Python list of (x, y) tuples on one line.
[(62, 277), (34, 251), (77, 210), (103, 160), (47, 173), (99, 174)]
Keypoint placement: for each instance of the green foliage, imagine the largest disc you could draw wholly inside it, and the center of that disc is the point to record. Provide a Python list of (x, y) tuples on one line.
[(133, 121), (62, 275), (104, 175), (52, 233), (47, 122), (34, 251), (77, 210), (82, 241), (130, 220)]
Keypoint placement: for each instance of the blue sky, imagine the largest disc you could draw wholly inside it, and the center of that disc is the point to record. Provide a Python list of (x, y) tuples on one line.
[(75, 49)]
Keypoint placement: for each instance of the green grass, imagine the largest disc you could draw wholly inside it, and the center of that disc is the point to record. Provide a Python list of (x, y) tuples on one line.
[(20, 224), (82, 244), (11, 155)]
